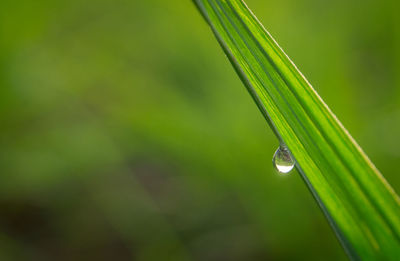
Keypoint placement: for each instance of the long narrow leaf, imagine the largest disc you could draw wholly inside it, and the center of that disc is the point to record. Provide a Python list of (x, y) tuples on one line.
[(358, 202)]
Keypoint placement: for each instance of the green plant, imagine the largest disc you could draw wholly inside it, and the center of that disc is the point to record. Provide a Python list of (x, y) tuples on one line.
[(360, 205)]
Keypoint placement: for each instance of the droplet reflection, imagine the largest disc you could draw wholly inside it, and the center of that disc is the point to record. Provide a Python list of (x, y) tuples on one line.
[(283, 160)]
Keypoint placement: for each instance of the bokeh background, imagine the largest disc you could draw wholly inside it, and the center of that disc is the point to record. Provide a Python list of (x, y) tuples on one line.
[(126, 135)]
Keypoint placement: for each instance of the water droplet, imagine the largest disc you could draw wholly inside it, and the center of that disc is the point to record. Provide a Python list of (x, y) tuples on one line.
[(283, 160)]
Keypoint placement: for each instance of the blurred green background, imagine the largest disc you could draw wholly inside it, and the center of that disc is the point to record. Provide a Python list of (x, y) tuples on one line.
[(126, 135)]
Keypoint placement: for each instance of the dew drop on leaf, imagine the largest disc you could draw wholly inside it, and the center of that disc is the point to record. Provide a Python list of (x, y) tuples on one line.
[(283, 160)]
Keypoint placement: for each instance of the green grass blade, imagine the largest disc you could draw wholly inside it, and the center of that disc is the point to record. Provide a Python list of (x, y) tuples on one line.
[(361, 206)]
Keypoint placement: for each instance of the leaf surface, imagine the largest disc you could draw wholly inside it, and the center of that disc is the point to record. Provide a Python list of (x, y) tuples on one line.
[(362, 208)]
